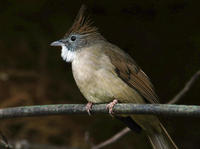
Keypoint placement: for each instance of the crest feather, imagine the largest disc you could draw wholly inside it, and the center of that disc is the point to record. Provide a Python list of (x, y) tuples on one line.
[(82, 24)]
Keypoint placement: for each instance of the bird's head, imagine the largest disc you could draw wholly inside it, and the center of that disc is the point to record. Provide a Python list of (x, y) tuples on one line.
[(82, 34)]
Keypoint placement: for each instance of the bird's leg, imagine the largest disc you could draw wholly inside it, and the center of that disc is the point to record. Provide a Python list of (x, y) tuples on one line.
[(111, 105), (89, 107)]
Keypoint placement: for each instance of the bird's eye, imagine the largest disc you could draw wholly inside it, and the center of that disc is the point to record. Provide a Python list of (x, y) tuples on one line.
[(73, 38)]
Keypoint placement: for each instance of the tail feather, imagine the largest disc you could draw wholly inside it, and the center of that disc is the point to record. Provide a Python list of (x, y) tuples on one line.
[(161, 139)]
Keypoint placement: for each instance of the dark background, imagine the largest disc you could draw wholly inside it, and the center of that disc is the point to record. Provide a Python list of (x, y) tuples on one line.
[(162, 36)]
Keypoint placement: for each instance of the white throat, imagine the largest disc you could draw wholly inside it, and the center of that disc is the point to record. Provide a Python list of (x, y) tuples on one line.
[(66, 54)]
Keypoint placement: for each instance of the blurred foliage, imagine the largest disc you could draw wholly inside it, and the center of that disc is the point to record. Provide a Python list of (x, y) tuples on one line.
[(162, 36)]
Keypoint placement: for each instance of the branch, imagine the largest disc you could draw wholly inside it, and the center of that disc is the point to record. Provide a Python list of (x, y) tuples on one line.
[(4, 142), (186, 88), (24, 144), (113, 138), (155, 109)]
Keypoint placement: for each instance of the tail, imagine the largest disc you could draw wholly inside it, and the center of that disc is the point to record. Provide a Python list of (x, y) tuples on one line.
[(161, 139), (157, 134)]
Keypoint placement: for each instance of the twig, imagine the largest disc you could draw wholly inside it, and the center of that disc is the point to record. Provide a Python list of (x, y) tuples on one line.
[(178, 96), (18, 73), (155, 109), (4, 142), (186, 88), (24, 144), (112, 139)]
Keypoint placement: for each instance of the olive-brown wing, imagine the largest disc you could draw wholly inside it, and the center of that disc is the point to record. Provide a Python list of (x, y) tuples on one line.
[(131, 74)]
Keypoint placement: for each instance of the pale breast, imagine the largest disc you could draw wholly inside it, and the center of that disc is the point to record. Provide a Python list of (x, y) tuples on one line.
[(85, 68), (95, 76)]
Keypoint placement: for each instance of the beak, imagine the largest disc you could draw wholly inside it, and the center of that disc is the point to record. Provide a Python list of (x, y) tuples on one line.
[(56, 43)]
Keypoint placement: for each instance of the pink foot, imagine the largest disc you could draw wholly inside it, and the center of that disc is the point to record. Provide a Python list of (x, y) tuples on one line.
[(89, 107), (111, 105)]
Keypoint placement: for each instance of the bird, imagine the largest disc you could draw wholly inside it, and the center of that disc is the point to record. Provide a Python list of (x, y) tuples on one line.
[(104, 73)]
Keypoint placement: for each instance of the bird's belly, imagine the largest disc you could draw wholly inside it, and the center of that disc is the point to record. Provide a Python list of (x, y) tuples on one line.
[(100, 85), (91, 88)]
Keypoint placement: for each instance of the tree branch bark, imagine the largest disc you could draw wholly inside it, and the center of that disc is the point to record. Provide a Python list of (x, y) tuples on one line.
[(186, 88), (113, 139), (155, 109)]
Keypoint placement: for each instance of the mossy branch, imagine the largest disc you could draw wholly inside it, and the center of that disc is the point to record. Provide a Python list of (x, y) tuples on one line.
[(155, 109)]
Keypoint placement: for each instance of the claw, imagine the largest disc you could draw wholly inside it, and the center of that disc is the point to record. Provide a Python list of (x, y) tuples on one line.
[(89, 107), (111, 105)]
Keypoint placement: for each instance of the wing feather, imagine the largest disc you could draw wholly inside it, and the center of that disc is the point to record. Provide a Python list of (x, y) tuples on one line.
[(127, 69)]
